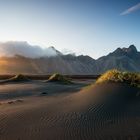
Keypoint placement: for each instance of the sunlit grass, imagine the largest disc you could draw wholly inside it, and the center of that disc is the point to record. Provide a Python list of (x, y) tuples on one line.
[(59, 78), (19, 77), (120, 77)]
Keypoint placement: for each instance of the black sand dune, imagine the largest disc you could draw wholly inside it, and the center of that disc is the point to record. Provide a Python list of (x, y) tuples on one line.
[(59, 79), (16, 78), (100, 112)]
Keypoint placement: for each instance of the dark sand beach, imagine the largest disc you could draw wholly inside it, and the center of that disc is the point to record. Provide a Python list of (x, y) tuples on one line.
[(49, 111)]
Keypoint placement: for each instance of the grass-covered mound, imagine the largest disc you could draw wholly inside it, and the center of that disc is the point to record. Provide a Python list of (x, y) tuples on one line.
[(120, 77), (59, 79), (18, 78)]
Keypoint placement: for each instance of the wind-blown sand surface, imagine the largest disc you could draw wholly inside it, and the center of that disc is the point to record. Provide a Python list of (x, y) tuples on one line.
[(105, 111)]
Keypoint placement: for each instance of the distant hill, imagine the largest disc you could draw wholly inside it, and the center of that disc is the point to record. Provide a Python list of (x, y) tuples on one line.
[(122, 58)]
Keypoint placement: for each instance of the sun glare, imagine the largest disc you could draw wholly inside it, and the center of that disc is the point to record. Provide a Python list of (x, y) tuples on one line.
[(3, 62)]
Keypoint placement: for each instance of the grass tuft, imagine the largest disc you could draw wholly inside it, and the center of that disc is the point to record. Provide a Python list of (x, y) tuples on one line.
[(18, 77), (114, 75), (59, 78)]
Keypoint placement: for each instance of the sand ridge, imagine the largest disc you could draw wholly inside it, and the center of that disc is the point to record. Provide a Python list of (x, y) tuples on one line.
[(98, 112)]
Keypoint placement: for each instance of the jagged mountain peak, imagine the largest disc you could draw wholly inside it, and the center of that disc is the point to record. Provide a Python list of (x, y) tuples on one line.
[(52, 51), (117, 52), (133, 47), (53, 61), (131, 50)]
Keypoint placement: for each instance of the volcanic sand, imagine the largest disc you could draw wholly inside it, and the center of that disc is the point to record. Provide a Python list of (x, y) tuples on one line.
[(104, 111)]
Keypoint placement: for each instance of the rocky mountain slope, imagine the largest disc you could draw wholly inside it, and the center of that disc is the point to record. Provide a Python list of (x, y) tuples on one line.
[(122, 59)]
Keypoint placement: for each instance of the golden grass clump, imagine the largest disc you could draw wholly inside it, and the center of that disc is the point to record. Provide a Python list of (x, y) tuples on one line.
[(59, 78), (121, 77), (19, 77)]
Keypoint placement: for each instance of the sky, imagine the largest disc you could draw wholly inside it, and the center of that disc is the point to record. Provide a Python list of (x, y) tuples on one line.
[(89, 27)]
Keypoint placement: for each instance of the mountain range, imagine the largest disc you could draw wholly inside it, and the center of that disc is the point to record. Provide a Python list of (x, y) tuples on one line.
[(122, 58)]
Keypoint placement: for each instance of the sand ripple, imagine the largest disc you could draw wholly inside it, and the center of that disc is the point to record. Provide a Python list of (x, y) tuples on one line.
[(106, 114)]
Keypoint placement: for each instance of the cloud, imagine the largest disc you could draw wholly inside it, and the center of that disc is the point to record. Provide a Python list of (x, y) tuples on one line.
[(67, 51), (131, 9), (13, 48)]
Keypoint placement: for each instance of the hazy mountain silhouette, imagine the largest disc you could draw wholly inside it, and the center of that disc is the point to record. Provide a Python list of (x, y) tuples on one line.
[(121, 58)]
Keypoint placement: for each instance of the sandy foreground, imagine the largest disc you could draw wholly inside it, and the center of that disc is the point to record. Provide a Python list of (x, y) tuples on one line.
[(48, 111)]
